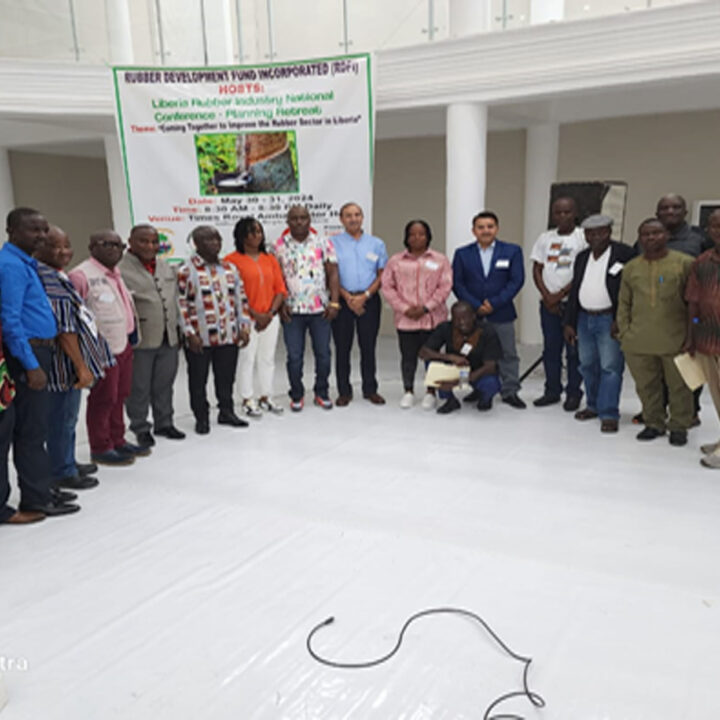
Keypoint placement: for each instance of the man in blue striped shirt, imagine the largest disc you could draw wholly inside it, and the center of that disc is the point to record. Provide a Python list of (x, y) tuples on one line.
[(29, 331)]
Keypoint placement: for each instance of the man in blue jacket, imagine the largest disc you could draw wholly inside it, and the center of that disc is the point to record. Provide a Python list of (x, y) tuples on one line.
[(489, 274)]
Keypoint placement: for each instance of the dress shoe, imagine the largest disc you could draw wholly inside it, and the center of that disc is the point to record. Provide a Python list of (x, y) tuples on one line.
[(145, 439), (474, 396), (202, 427), (450, 405), (77, 482), (546, 400), (572, 403), (343, 400), (133, 450), (228, 417), (609, 426), (24, 518), (637, 419), (51, 508), (484, 404), (86, 468), (171, 433), (112, 457), (515, 401), (678, 437), (586, 414), (62, 496), (375, 398), (649, 433)]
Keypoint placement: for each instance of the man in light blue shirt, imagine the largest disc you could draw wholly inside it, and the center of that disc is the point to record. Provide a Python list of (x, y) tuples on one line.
[(361, 259)]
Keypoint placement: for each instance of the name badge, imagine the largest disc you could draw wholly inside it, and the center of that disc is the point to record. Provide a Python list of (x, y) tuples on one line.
[(466, 349), (106, 297), (431, 265), (502, 264), (372, 257), (616, 268)]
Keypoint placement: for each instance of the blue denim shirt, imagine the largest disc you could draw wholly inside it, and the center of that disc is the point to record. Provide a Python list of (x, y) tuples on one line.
[(359, 261), (25, 310)]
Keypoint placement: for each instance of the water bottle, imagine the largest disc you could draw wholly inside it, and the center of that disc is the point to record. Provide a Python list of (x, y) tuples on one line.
[(464, 378)]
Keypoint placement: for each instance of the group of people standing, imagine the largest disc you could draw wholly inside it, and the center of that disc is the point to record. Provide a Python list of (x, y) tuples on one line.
[(115, 324)]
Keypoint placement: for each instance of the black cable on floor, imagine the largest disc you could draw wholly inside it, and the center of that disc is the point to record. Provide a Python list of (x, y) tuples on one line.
[(532, 697)]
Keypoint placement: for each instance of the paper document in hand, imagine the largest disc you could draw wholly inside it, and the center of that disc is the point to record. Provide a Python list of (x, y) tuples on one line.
[(691, 370), (438, 372)]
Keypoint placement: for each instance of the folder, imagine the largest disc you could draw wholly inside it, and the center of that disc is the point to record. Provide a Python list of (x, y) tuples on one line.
[(438, 372), (690, 370)]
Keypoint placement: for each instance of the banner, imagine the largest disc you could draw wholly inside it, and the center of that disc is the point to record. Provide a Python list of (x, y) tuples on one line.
[(207, 146)]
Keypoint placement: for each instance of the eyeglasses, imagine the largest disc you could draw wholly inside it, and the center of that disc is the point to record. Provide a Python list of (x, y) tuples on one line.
[(111, 244)]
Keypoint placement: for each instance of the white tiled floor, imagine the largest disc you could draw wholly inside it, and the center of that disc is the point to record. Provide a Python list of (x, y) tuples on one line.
[(186, 586)]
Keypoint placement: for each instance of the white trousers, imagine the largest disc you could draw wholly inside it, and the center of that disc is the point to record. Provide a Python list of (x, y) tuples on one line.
[(260, 352)]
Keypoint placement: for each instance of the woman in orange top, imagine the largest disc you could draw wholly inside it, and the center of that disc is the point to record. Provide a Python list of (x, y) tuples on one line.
[(265, 291)]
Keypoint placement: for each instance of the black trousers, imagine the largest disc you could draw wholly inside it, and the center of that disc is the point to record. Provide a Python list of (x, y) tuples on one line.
[(410, 342), (343, 328), (223, 359), (29, 433)]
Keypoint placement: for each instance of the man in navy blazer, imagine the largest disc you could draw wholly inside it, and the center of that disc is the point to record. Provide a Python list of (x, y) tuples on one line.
[(489, 274)]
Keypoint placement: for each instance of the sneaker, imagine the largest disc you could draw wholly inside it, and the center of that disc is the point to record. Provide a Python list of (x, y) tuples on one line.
[(407, 401), (710, 448), (429, 402), (251, 409), (711, 460), (269, 406), (324, 403), (297, 405), (450, 405)]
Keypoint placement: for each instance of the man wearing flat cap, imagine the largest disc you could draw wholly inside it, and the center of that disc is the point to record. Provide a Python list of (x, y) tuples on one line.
[(590, 320)]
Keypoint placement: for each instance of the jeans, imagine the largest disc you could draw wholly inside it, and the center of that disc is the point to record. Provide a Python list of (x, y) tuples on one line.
[(294, 335), (601, 364), (63, 417), (553, 343), (488, 386)]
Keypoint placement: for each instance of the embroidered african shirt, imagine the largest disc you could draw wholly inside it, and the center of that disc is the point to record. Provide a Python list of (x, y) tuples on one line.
[(7, 386), (703, 290), (72, 316), (212, 302)]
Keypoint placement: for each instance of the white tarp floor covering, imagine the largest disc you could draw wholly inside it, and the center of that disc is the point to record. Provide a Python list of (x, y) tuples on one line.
[(188, 583)]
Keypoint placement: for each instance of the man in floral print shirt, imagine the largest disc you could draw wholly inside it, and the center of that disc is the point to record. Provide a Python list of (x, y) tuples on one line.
[(309, 265), (214, 321)]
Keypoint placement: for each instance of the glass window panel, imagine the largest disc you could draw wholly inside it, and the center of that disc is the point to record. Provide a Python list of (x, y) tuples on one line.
[(577, 9), (182, 32), (304, 30), (508, 14), (404, 22), (91, 24), (36, 29)]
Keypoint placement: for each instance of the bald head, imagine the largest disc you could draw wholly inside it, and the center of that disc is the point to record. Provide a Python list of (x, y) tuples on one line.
[(671, 211)]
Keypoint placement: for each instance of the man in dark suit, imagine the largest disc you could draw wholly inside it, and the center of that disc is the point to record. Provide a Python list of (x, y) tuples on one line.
[(488, 274), (590, 320)]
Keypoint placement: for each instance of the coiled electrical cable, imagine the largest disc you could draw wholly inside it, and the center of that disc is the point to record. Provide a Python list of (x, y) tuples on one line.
[(531, 696)]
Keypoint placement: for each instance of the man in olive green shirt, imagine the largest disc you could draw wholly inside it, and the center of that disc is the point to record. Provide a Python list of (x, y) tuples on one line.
[(652, 318)]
